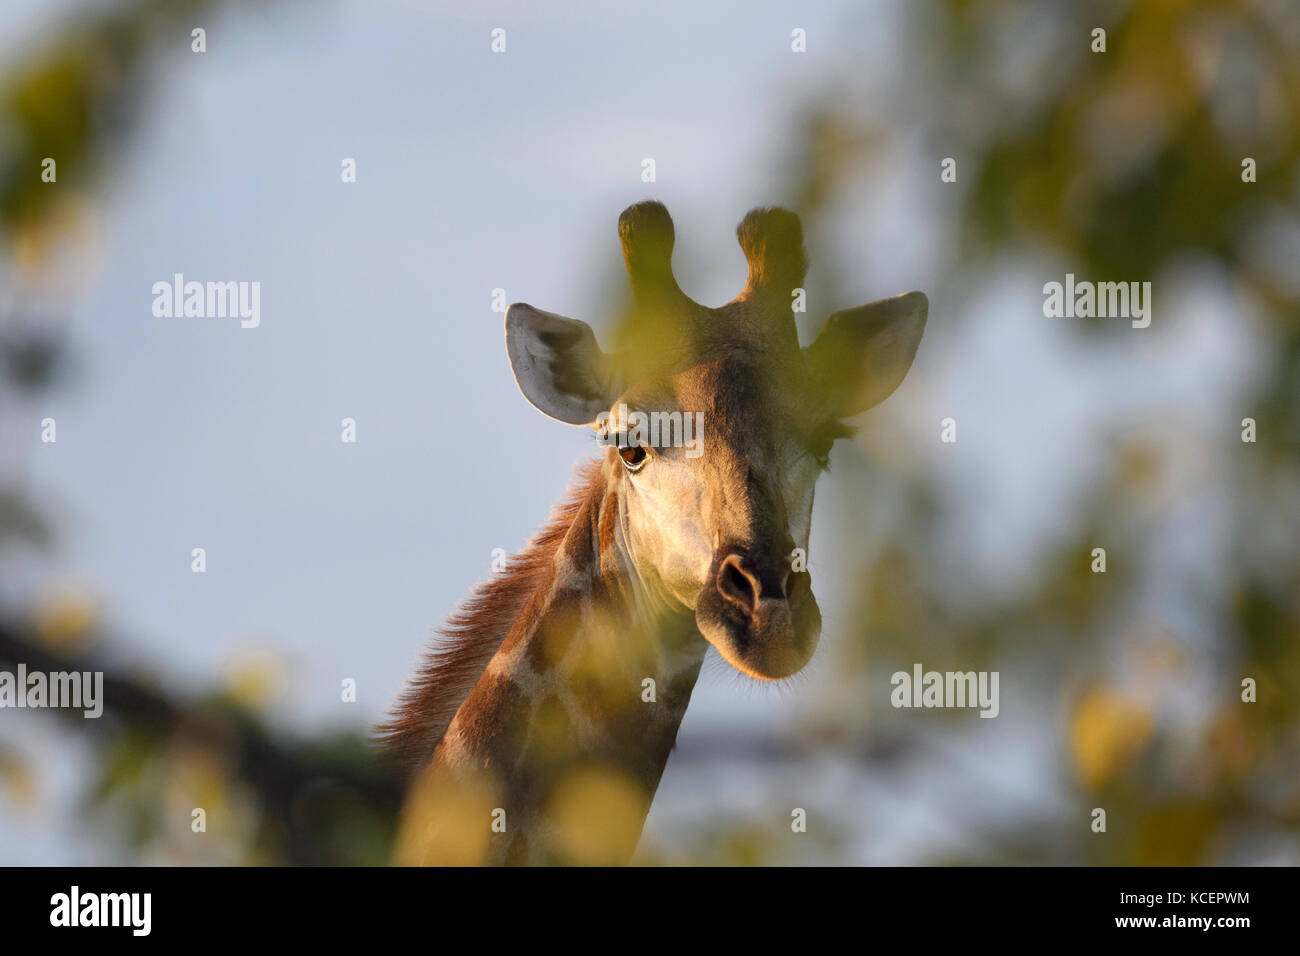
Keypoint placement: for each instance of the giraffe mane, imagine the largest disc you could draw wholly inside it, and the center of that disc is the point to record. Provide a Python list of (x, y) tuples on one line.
[(473, 633)]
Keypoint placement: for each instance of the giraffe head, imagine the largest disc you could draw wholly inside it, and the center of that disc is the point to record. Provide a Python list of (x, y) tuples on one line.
[(719, 425)]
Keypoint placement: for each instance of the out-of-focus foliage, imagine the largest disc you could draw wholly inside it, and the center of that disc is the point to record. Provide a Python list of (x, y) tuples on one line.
[(266, 800), (1122, 164), (76, 98)]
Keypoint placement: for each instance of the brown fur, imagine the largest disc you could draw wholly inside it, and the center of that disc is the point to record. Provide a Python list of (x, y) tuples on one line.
[(474, 633)]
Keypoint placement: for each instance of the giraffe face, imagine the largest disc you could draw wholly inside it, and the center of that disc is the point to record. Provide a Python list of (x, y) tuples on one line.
[(719, 426), (720, 523)]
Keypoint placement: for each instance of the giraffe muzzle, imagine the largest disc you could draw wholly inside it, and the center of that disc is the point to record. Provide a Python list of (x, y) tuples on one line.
[(761, 617)]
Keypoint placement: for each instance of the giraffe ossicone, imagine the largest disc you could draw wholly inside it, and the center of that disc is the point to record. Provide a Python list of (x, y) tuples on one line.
[(533, 703)]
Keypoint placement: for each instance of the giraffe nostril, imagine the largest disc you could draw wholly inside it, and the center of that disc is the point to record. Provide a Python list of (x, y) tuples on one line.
[(736, 584)]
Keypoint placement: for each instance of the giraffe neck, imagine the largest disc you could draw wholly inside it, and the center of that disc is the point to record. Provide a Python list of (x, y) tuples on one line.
[(556, 753)]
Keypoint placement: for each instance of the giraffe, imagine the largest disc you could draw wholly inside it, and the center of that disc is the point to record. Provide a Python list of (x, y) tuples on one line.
[(538, 731)]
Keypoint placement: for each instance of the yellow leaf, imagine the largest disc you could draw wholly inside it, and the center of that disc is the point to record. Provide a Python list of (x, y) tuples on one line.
[(1106, 731)]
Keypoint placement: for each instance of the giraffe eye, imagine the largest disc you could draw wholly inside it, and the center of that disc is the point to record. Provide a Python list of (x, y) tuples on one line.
[(633, 456)]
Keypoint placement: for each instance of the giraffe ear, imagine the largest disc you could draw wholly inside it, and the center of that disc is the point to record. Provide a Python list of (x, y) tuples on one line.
[(863, 354), (558, 365)]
